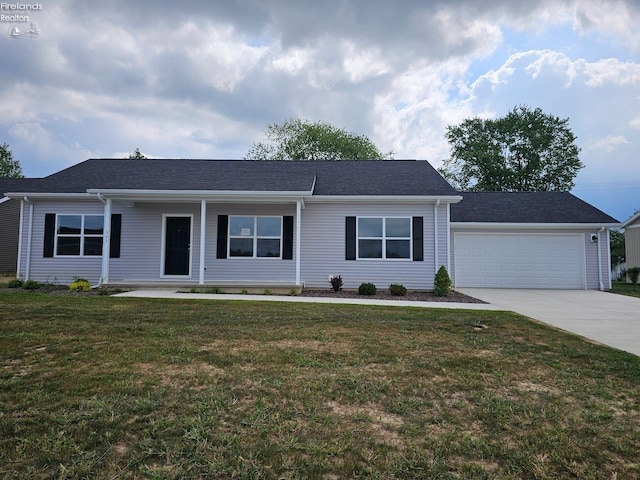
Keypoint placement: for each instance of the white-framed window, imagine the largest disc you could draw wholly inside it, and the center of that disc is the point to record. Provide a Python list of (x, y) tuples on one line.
[(387, 238), (79, 235), (255, 237)]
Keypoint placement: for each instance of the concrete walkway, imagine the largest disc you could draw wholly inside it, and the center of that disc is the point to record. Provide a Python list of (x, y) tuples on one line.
[(604, 317), (160, 293)]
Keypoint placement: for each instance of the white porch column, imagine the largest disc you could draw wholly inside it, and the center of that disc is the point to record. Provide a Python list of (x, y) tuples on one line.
[(435, 231), (106, 241), (20, 229), (298, 215), (203, 230)]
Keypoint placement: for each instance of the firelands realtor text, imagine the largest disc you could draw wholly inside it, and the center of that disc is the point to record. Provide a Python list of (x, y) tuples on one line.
[(17, 12)]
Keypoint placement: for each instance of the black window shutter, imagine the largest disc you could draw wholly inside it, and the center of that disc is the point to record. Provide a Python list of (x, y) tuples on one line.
[(287, 238), (49, 234), (418, 239), (223, 229), (350, 238), (116, 230)]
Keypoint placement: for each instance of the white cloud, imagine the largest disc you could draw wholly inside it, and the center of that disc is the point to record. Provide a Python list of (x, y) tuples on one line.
[(609, 143)]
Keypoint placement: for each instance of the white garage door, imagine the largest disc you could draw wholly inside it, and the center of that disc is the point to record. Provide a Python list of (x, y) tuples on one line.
[(519, 261)]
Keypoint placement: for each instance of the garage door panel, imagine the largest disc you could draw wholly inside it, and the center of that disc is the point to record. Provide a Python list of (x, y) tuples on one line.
[(519, 260)]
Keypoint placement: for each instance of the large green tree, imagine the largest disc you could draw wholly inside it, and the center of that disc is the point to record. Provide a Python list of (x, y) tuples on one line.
[(526, 150), (297, 139), (8, 166)]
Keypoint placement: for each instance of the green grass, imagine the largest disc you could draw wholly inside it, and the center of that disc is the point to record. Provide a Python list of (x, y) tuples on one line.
[(624, 288), (119, 388)]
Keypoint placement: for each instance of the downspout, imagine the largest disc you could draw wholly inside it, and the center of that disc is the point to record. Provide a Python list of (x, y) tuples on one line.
[(600, 260), (435, 231), (27, 267)]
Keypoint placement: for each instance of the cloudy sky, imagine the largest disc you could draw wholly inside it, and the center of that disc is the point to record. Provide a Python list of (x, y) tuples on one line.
[(202, 78)]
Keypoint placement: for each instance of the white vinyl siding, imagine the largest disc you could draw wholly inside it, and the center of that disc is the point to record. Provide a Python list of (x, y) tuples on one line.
[(323, 247)]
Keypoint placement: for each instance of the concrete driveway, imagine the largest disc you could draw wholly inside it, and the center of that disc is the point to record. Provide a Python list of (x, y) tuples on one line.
[(607, 318)]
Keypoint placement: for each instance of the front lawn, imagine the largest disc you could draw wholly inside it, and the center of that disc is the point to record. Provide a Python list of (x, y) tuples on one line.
[(624, 288), (122, 388)]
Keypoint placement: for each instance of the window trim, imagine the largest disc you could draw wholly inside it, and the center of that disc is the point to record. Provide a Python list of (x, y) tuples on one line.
[(384, 238), (82, 235), (256, 237)]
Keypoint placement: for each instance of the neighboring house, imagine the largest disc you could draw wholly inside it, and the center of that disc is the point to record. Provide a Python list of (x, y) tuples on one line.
[(632, 241), (296, 223), (9, 225)]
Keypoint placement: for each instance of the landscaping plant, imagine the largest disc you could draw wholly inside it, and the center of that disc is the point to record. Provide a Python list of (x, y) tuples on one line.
[(442, 282), (633, 274), (397, 289), (367, 289), (336, 283)]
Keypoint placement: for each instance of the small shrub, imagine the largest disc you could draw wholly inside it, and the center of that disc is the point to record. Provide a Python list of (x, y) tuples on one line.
[(293, 292), (266, 291), (367, 289), (15, 283), (336, 283), (397, 289), (214, 290), (633, 274), (244, 291), (442, 282), (80, 285), (103, 291), (31, 285)]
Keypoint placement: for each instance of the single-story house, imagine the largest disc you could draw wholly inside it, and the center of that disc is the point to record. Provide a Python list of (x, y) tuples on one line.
[(297, 223), (632, 241)]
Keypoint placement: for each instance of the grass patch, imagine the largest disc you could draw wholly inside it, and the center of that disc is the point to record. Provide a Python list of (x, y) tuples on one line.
[(100, 387), (624, 288)]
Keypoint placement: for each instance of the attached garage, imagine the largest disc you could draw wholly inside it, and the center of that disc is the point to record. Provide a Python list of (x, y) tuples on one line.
[(505, 260), (540, 240)]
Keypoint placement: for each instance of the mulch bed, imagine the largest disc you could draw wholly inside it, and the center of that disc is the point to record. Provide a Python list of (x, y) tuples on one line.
[(412, 295)]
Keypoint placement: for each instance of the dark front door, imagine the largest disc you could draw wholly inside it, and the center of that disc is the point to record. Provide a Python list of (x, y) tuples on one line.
[(177, 245)]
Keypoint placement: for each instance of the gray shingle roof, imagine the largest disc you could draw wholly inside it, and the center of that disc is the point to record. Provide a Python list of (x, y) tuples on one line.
[(370, 177), (17, 185), (526, 207)]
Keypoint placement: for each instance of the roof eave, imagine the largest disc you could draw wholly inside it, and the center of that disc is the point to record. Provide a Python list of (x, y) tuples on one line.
[(385, 198), (520, 225), (633, 219)]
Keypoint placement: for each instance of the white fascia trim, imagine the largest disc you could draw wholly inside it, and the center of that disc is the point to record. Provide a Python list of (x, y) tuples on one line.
[(54, 196), (384, 198), (628, 223), (4, 199), (632, 226), (555, 226), (200, 193)]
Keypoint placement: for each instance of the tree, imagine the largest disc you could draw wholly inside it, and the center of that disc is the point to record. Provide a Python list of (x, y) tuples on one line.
[(9, 167), (616, 241), (526, 150), (297, 139), (137, 155)]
